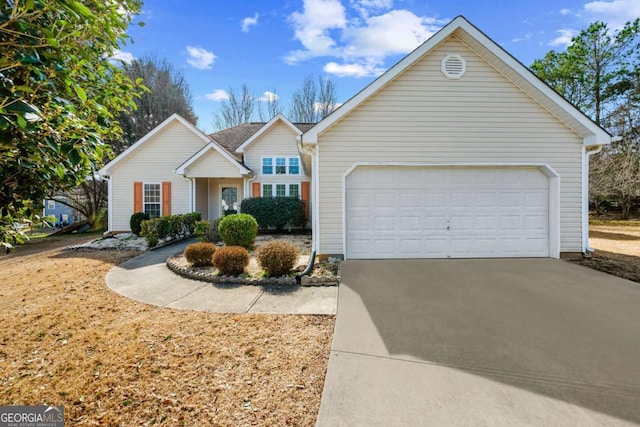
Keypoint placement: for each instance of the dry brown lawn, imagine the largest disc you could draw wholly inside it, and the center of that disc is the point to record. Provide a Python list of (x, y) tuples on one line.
[(67, 339), (617, 250)]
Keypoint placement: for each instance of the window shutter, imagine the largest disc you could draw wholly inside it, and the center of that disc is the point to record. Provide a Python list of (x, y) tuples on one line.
[(166, 198), (137, 197), (304, 195), (255, 189)]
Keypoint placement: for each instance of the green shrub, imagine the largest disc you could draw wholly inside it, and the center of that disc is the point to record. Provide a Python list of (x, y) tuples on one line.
[(207, 231), (231, 260), (238, 230), (171, 226), (135, 223), (200, 254), (276, 212), (277, 257)]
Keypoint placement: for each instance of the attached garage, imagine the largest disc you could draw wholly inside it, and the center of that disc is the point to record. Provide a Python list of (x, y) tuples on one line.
[(457, 151), (449, 212)]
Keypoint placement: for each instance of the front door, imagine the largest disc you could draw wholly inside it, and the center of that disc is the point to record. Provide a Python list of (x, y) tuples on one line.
[(229, 200)]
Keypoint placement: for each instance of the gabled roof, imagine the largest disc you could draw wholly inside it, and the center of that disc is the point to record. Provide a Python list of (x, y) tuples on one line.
[(266, 127), (105, 171), (591, 133), (242, 169)]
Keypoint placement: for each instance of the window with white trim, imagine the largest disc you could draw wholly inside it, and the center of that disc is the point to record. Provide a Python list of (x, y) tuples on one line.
[(151, 199), (281, 166), (51, 204), (280, 190)]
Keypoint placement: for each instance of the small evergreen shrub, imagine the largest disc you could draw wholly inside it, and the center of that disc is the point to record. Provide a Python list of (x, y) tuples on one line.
[(171, 226), (200, 254), (238, 230), (231, 260), (276, 212), (135, 223), (207, 231), (277, 258)]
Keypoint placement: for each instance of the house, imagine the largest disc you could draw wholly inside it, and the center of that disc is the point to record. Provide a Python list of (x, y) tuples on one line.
[(176, 168), (457, 151), (63, 214)]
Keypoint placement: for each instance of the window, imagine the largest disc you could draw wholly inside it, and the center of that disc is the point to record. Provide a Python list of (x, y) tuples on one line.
[(294, 167), (281, 190), (51, 204), (152, 200), (283, 165), (267, 190), (294, 190)]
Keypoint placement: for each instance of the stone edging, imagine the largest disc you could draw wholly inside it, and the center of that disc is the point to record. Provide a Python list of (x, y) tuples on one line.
[(211, 278)]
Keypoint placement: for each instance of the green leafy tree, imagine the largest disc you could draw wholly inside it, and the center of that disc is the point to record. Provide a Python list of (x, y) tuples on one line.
[(599, 72), (60, 96)]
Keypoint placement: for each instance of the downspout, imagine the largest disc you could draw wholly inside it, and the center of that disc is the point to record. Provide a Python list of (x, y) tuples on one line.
[(311, 152), (588, 152)]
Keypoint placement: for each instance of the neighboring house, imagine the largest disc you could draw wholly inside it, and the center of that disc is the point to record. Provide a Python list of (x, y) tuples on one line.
[(176, 168), (64, 215), (457, 151)]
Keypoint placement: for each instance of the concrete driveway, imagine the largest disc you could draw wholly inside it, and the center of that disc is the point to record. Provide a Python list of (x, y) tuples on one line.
[(483, 342)]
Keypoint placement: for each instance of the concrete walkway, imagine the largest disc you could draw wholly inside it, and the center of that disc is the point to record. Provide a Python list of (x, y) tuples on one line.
[(516, 342), (146, 278)]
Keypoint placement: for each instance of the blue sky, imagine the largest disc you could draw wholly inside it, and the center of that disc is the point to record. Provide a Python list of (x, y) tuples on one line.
[(273, 45)]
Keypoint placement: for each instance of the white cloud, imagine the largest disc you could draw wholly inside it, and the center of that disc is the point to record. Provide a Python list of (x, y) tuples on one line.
[(361, 37), (312, 28), (217, 95), (123, 56), (564, 38), (523, 38), (268, 96), (565, 12), (248, 22), (352, 70), (615, 13), (200, 58)]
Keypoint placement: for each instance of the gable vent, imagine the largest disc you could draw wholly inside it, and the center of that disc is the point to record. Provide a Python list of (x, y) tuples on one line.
[(453, 66)]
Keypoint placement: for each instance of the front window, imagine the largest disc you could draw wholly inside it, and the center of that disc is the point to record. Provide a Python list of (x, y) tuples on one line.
[(294, 190), (281, 190), (267, 190), (281, 166), (51, 204), (294, 167), (152, 200), (267, 166)]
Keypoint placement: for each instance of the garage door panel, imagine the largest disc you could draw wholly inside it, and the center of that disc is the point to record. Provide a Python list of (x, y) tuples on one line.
[(408, 212)]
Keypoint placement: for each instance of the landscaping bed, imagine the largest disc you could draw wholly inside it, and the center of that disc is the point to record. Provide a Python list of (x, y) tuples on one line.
[(323, 274), (69, 340)]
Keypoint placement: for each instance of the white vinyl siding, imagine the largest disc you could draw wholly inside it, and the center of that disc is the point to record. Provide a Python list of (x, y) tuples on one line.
[(279, 141), (154, 161), (213, 165), (423, 117)]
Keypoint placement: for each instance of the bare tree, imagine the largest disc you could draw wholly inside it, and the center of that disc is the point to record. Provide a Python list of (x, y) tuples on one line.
[(168, 94), (89, 198), (237, 109), (271, 101), (313, 102)]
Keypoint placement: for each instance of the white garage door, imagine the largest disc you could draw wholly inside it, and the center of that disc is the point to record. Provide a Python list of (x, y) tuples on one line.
[(452, 212)]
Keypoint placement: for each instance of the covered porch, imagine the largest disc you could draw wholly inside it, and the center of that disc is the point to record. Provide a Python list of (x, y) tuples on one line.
[(214, 197)]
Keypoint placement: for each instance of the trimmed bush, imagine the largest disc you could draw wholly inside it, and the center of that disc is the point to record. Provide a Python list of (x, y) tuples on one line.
[(277, 258), (231, 260), (276, 212), (171, 226), (135, 223), (200, 254), (207, 231), (238, 230)]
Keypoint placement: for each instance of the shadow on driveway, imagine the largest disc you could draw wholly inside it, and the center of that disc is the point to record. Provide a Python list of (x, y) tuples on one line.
[(540, 325)]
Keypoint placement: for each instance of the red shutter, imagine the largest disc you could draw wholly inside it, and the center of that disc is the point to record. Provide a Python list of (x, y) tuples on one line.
[(255, 189), (166, 198), (137, 197), (304, 195)]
